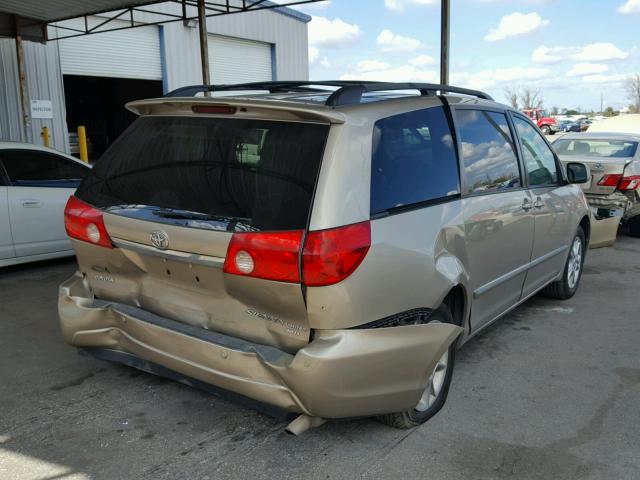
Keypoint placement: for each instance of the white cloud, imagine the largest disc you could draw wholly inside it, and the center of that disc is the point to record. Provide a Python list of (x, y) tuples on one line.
[(316, 60), (490, 78), (422, 61), (516, 24), (399, 5), (609, 79), (599, 52), (586, 68), (593, 52), (630, 6), (371, 65), (544, 54), (403, 73), (390, 42), (332, 33)]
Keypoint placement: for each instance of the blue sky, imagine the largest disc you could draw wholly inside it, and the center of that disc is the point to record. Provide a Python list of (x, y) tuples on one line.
[(572, 50)]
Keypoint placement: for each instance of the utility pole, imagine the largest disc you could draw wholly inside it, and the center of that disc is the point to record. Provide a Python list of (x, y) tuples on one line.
[(444, 42), (601, 102), (204, 43), (22, 77)]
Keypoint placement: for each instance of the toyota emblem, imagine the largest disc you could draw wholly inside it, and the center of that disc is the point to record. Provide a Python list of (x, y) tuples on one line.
[(160, 239)]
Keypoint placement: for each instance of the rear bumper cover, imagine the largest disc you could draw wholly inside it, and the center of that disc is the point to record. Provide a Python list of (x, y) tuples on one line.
[(341, 373)]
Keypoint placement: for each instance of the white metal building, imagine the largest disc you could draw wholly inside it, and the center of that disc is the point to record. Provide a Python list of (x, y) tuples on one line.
[(88, 78)]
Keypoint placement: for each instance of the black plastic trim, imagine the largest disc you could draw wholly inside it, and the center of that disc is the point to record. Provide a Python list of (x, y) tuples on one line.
[(266, 352), (398, 319), (130, 360)]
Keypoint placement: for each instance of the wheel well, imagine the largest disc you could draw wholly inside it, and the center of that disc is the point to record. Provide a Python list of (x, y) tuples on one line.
[(455, 301), (585, 223)]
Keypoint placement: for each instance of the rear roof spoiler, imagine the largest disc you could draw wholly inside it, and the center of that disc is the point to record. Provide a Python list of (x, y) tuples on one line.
[(281, 110)]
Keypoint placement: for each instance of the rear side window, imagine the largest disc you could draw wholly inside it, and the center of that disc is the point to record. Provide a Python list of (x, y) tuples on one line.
[(232, 174), (413, 160), (28, 168), (488, 152)]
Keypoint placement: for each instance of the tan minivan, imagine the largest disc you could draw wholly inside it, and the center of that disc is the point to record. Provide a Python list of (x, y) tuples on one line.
[(320, 247)]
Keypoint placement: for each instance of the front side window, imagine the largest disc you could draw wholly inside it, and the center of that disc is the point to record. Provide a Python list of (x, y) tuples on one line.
[(488, 151), (537, 155), (413, 160), (28, 168)]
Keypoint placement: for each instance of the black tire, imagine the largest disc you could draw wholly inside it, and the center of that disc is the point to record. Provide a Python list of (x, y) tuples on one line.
[(634, 226), (413, 418), (545, 130), (563, 289)]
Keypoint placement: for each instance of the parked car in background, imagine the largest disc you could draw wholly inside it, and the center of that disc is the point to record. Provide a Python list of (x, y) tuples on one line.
[(35, 184), (569, 126), (545, 123), (584, 124), (614, 161), (629, 123), (321, 247)]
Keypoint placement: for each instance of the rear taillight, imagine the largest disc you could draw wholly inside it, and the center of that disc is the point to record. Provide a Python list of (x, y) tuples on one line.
[(629, 183), (610, 180), (269, 255), (84, 222), (330, 256)]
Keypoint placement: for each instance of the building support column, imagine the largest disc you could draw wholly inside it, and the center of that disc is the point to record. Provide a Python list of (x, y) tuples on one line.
[(204, 45), (444, 42), (22, 80)]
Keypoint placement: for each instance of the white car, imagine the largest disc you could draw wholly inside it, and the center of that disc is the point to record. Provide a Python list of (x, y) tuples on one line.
[(35, 184)]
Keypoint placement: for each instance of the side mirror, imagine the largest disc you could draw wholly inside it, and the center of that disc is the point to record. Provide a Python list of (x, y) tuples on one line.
[(577, 173)]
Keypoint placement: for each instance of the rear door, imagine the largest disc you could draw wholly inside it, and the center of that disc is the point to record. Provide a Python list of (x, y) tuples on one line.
[(40, 185), (551, 206), (497, 213), (6, 241), (174, 190)]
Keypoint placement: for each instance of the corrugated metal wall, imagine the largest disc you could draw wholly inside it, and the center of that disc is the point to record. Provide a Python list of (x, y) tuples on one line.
[(10, 111), (44, 82)]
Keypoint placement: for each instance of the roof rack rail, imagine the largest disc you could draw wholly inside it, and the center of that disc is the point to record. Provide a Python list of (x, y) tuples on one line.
[(348, 92)]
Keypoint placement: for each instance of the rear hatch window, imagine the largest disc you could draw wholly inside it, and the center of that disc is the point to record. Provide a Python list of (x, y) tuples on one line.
[(211, 173)]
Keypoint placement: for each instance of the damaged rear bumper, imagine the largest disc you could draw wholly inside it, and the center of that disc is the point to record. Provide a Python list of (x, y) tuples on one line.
[(340, 373)]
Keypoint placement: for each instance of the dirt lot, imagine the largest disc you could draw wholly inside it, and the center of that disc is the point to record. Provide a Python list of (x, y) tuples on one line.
[(549, 392)]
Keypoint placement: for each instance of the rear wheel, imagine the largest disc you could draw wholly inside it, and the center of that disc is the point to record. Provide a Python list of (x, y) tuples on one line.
[(567, 286), (634, 226), (435, 394)]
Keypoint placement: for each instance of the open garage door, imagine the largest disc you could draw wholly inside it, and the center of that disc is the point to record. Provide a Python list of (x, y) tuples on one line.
[(132, 53), (235, 60)]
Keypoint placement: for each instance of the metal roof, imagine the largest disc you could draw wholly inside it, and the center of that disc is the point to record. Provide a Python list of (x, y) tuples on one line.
[(34, 15)]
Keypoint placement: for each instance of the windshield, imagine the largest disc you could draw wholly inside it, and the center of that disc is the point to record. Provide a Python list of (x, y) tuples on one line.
[(596, 148), (230, 174)]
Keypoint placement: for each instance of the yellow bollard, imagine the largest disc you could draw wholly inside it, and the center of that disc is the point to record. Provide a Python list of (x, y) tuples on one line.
[(44, 133), (82, 143)]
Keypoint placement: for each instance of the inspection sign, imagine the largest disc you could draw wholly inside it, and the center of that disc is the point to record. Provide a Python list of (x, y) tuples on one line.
[(41, 109)]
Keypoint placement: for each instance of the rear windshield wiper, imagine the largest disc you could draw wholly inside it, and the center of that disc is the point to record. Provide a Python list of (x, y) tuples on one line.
[(181, 215)]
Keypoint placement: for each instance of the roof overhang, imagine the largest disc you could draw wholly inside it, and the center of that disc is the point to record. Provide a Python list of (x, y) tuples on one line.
[(55, 19)]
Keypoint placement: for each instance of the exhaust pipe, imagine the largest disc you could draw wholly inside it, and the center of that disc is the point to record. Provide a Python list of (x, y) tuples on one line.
[(303, 423)]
